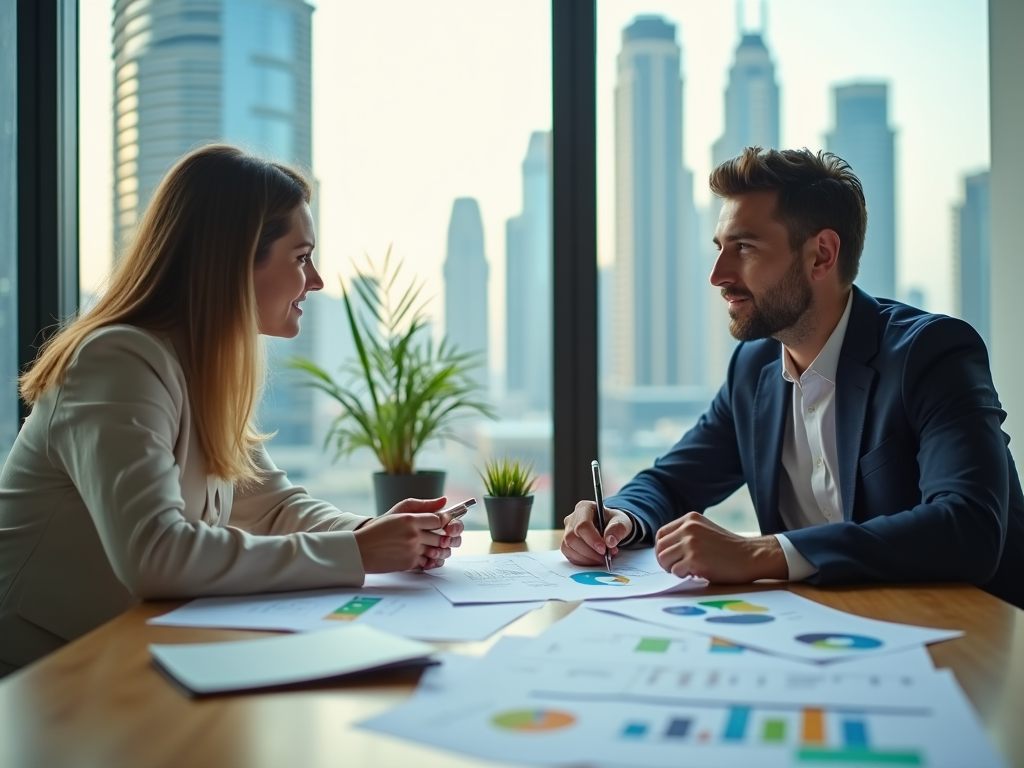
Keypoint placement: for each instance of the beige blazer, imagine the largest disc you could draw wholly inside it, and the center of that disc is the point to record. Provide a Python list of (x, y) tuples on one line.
[(105, 500)]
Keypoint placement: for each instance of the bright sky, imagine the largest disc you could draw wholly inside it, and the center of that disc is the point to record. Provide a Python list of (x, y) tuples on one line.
[(418, 103)]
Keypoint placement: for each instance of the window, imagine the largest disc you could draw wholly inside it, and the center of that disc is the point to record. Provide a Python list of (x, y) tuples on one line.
[(427, 129), (681, 88)]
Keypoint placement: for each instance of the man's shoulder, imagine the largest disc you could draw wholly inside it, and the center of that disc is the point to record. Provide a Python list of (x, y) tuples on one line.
[(904, 328)]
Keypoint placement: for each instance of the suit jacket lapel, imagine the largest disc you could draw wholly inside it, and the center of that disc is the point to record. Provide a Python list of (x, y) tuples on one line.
[(771, 404), (854, 381)]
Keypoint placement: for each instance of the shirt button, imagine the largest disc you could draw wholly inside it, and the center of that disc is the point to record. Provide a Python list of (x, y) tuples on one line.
[(810, 409), (819, 462), (825, 512)]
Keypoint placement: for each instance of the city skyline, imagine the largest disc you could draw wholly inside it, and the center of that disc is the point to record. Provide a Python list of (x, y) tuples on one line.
[(709, 39)]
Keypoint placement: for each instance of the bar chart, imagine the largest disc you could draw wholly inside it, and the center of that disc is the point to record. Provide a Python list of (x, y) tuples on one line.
[(812, 735)]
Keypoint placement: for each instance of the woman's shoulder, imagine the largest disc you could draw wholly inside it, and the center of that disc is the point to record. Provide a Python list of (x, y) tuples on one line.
[(130, 351)]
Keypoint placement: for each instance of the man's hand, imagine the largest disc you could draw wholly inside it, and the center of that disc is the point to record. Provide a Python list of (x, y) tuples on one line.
[(582, 544), (408, 537), (695, 546)]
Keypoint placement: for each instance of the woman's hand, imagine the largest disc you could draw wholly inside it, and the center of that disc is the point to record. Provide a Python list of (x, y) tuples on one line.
[(408, 536)]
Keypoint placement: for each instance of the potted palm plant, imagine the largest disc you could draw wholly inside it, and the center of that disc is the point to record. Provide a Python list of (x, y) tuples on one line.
[(509, 485), (401, 390)]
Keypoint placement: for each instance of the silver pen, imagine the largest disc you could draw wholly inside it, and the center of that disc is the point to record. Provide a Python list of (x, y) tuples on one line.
[(595, 469)]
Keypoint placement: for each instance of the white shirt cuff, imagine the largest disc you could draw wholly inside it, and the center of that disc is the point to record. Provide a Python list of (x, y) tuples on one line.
[(799, 566)]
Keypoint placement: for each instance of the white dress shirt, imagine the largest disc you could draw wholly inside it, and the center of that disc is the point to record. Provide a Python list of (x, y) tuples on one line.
[(809, 492)]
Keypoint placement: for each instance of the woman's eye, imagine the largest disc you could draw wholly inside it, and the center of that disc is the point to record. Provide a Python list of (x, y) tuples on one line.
[(304, 258)]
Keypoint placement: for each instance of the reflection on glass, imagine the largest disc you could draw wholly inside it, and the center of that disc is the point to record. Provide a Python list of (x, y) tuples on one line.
[(681, 89), (431, 134)]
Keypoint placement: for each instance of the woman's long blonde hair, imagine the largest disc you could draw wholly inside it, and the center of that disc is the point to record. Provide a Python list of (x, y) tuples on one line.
[(190, 269)]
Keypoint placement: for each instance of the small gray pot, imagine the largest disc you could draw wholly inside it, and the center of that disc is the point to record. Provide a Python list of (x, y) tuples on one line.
[(508, 517), (391, 489)]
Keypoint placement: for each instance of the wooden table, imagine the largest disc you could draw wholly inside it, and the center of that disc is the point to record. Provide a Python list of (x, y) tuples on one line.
[(99, 702)]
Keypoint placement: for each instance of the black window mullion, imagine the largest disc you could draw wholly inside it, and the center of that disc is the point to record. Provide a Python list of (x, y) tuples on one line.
[(574, 249), (47, 183)]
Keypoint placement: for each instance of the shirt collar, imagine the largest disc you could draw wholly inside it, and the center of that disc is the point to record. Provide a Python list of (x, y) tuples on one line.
[(827, 361)]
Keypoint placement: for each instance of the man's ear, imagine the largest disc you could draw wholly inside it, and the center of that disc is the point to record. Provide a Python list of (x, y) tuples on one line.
[(825, 249)]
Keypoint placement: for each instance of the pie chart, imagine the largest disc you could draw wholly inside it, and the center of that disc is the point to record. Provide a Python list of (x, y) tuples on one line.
[(832, 641), (534, 720), (684, 610), (599, 579), (743, 618)]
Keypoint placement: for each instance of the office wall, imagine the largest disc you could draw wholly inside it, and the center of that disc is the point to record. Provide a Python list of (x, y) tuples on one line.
[(1006, 25)]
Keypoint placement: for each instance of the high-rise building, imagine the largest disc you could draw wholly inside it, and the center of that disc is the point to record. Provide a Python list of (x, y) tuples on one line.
[(751, 101), (188, 72), (751, 120), (465, 284), (528, 284), (862, 137), (972, 283), (660, 285)]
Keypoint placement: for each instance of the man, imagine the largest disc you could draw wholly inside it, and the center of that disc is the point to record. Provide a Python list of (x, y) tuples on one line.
[(867, 431)]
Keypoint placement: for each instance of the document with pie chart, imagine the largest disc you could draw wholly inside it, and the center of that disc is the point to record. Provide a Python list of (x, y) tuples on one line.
[(527, 576), (781, 622)]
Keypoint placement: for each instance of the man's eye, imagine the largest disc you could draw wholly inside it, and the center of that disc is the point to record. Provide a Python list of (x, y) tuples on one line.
[(304, 258)]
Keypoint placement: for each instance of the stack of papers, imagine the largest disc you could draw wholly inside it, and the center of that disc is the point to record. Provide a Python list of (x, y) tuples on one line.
[(647, 672)]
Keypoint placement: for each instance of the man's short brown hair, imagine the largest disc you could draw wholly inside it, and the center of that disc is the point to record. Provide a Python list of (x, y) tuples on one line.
[(816, 192)]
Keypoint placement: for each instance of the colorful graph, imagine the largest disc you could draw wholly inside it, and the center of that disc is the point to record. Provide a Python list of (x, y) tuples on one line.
[(746, 618), (718, 645), (599, 579), (533, 720), (733, 612), (684, 610), (653, 645), (353, 609), (806, 730), (740, 606), (832, 641)]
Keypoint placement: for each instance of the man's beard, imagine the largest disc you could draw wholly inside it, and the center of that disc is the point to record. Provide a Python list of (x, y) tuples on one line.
[(777, 310)]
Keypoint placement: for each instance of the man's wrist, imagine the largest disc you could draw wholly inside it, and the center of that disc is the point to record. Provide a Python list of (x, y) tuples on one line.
[(769, 559)]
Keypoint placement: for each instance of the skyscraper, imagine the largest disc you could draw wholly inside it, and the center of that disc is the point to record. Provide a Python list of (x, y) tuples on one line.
[(862, 137), (660, 285), (972, 283), (193, 71), (751, 101), (528, 284), (751, 119), (465, 284)]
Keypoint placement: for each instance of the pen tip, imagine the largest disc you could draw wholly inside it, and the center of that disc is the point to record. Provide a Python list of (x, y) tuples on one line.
[(594, 464)]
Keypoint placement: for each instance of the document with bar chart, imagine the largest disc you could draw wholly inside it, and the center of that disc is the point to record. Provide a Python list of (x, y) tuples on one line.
[(420, 614), (709, 719)]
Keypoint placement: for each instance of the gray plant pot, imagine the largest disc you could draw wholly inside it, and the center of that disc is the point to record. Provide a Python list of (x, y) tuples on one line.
[(388, 490), (508, 517)]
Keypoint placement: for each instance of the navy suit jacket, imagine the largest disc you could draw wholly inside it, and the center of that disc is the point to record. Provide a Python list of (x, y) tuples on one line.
[(929, 489)]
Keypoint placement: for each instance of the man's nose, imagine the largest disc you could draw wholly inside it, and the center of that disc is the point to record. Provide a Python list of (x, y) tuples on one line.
[(721, 274)]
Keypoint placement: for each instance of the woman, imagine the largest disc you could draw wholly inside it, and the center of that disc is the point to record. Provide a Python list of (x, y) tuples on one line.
[(139, 473)]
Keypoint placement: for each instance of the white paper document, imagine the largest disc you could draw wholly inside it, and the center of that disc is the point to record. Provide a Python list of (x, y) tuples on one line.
[(418, 613), (549, 576), (205, 668), (653, 716), (589, 634), (782, 623)]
